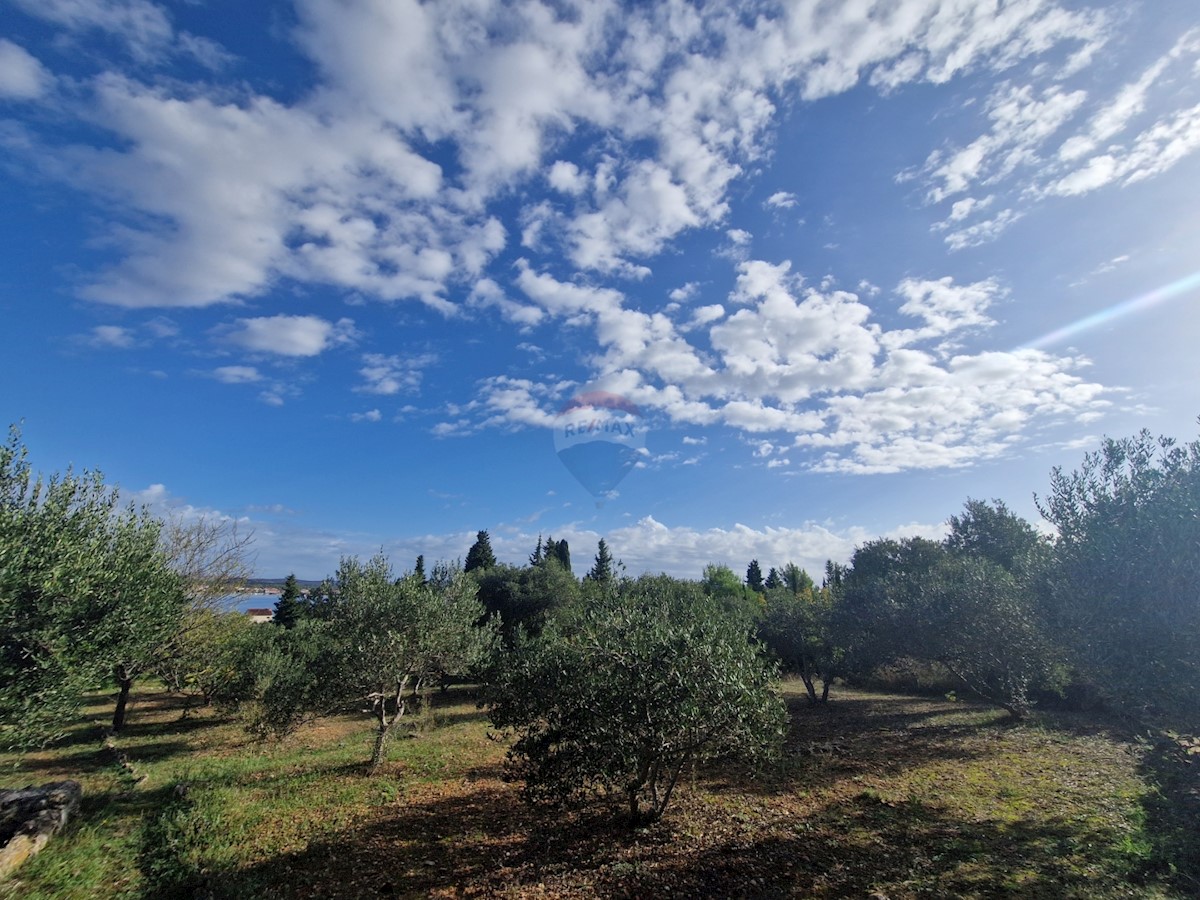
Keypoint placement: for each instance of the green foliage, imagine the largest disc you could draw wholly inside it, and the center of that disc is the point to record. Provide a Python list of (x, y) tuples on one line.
[(480, 556), (1123, 595), (798, 630), (85, 591), (621, 695), (916, 598), (754, 577), (524, 599), (603, 569), (288, 607), (203, 658), (722, 585), (993, 532), (385, 640), (796, 580)]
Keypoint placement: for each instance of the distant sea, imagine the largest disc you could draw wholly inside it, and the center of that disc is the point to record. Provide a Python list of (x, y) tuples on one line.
[(243, 602)]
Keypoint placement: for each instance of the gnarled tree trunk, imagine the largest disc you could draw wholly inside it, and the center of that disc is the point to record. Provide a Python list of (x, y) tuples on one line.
[(124, 683)]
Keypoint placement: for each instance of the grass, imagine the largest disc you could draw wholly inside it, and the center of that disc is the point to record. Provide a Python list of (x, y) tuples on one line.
[(878, 795)]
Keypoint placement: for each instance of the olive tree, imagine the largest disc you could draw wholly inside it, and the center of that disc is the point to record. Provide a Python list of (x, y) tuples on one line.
[(384, 641), (617, 697), (920, 599), (798, 629), (86, 594), (1124, 590)]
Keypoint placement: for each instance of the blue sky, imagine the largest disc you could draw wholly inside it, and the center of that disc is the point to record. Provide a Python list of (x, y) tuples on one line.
[(335, 269)]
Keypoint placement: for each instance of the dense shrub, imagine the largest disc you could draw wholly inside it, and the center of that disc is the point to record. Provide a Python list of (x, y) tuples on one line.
[(619, 697)]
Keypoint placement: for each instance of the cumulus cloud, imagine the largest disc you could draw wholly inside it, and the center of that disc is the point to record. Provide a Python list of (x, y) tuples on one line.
[(647, 545), (781, 200), (22, 77), (812, 363), (230, 192), (290, 335)]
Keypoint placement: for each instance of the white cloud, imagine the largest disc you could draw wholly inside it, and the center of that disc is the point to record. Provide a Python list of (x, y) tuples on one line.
[(945, 307), (705, 315), (371, 415), (144, 27), (982, 232), (111, 336), (1151, 153), (1021, 122), (565, 176), (781, 200), (650, 545), (1012, 158), (684, 292), (290, 335), (22, 77), (664, 105), (813, 364), (486, 293), (237, 374), (387, 375)]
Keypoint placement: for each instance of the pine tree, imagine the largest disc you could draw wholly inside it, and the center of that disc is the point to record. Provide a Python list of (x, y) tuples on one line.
[(602, 571), (754, 578), (287, 607), (536, 557), (773, 579), (480, 556), (419, 570)]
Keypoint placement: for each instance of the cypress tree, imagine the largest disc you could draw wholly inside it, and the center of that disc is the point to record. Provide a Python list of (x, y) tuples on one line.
[(563, 554)]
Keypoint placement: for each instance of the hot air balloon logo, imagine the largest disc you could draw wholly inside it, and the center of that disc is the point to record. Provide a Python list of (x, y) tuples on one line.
[(599, 436)]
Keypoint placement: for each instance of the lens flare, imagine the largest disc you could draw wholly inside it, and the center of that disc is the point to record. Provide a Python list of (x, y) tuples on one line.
[(1117, 311)]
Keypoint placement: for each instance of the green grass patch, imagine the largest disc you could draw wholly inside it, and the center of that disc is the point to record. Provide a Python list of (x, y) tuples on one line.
[(877, 794)]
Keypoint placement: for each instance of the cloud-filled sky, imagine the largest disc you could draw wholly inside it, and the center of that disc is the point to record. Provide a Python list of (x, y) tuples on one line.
[(335, 268)]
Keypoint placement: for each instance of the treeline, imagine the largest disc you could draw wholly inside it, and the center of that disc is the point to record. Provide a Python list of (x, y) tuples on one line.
[(608, 683)]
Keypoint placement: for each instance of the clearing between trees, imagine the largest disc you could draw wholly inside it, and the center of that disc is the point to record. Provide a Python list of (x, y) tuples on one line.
[(877, 795)]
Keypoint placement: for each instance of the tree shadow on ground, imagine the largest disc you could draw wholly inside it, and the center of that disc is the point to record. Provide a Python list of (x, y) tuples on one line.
[(865, 847), (98, 759), (487, 839), (487, 843), (1172, 810), (830, 742)]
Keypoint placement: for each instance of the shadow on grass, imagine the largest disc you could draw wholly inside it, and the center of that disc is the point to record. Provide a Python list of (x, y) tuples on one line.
[(488, 840), (1172, 814), (446, 717), (849, 737), (868, 848), (135, 729), (488, 843)]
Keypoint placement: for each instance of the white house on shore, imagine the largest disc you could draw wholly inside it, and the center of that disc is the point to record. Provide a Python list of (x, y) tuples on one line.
[(261, 616)]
